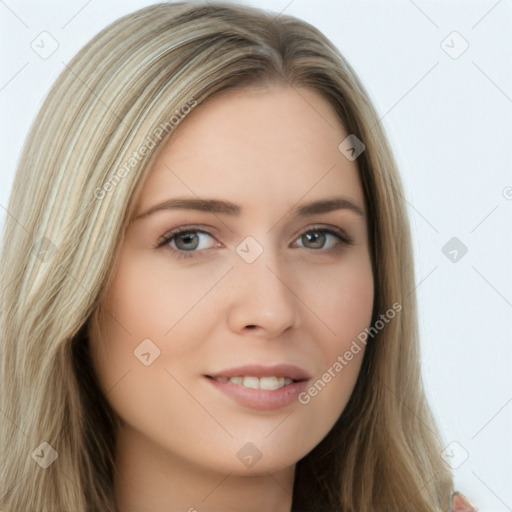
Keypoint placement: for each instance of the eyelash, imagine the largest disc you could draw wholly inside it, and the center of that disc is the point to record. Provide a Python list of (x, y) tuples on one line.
[(180, 254)]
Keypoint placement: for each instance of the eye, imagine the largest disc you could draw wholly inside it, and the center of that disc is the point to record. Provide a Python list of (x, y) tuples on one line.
[(186, 240), (328, 239)]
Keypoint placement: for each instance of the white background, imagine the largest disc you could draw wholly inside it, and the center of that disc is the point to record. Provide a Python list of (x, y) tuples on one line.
[(449, 121)]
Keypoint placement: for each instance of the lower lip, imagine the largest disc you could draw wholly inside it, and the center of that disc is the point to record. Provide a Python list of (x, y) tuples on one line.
[(260, 399)]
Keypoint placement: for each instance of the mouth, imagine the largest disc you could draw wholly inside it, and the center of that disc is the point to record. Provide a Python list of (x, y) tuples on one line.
[(261, 387)]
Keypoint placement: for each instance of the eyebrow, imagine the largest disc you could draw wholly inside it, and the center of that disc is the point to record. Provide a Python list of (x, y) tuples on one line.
[(218, 206)]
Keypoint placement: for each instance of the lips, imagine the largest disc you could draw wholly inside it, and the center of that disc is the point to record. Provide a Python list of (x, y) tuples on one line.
[(263, 388)]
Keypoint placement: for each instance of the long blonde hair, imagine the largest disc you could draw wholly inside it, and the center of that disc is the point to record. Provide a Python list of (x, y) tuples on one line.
[(74, 192)]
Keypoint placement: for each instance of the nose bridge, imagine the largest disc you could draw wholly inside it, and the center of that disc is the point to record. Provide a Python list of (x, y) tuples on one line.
[(262, 289)]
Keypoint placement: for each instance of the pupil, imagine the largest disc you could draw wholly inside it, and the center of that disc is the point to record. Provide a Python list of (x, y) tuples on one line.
[(187, 238), (315, 237)]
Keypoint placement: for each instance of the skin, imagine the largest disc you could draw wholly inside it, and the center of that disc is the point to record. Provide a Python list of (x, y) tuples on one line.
[(268, 149)]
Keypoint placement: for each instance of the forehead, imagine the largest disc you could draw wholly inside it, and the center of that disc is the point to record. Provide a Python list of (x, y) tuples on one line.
[(257, 146)]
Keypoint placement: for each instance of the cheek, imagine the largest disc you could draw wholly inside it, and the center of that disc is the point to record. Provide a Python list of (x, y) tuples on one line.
[(340, 299), (132, 312), (341, 303), (148, 301), (151, 296)]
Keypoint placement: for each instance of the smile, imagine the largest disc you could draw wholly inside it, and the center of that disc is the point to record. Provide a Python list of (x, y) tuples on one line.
[(265, 383)]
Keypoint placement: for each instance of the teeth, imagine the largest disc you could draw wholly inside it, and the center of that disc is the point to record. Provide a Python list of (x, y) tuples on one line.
[(271, 383), (265, 383), (251, 382)]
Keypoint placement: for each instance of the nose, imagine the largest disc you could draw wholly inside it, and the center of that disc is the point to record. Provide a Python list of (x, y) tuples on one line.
[(262, 298)]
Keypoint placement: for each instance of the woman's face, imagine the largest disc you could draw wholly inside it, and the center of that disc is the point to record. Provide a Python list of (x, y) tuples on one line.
[(266, 276)]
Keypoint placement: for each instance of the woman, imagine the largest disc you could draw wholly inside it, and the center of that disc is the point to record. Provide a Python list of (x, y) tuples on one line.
[(208, 298)]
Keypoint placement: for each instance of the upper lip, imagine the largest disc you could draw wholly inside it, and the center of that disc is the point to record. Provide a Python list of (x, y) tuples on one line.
[(279, 370)]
